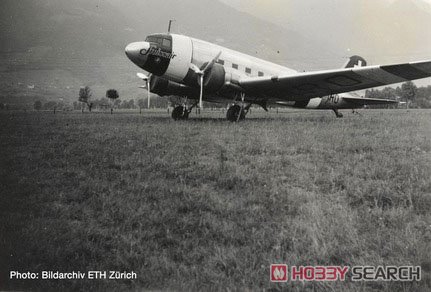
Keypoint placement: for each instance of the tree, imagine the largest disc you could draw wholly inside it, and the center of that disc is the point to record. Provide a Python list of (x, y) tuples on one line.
[(141, 104), (50, 105), (76, 105), (423, 97), (124, 104), (132, 103), (113, 95), (38, 105), (408, 92), (85, 96)]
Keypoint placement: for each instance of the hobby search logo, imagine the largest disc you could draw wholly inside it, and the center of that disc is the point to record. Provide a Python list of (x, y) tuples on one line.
[(278, 273), (281, 273)]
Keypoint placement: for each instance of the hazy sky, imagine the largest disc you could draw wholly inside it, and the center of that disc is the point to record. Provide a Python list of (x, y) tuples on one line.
[(393, 30)]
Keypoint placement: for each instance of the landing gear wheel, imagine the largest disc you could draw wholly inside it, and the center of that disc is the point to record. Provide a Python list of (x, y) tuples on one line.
[(234, 112), (337, 113), (180, 113)]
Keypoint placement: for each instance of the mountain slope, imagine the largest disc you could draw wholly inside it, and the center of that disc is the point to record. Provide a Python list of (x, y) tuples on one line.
[(60, 45)]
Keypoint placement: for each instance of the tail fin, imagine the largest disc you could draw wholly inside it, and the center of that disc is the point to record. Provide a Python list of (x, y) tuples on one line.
[(355, 61)]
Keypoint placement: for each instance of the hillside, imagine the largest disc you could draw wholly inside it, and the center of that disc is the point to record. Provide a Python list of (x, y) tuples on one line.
[(50, 48)]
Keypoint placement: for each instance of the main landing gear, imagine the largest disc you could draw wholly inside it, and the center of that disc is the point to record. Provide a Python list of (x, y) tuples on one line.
[(181, 112), (337, 113), (237, 112)]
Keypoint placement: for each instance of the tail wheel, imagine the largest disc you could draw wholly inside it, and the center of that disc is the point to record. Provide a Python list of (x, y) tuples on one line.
[(235, 113)]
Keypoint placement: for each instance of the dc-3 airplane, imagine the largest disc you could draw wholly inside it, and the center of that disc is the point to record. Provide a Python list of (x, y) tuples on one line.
[(197, 70)]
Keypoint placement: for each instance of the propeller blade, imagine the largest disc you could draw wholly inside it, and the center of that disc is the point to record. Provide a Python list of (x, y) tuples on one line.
[(202, 91), (196, 69), (201, 74), (211, 64), (142, 76), (148, 91), (147, 79)]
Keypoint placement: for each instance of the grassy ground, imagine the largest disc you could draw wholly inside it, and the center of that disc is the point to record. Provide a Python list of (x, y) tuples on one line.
[(207, 204)]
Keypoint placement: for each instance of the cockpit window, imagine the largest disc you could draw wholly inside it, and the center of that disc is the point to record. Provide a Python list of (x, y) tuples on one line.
[(160, 40), (166, 43), (155, 39), (152, 39)]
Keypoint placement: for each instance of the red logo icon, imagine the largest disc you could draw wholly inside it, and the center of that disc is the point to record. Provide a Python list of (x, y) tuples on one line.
[(278, 273)]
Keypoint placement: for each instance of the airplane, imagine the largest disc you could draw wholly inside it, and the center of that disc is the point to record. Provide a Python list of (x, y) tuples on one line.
[(198, 70)]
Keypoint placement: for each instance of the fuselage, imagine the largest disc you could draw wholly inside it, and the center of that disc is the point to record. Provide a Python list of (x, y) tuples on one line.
[(169, 56), (177, 52)]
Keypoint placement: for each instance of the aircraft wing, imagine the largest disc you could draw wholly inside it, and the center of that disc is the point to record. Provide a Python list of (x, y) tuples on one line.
[(304, 86)]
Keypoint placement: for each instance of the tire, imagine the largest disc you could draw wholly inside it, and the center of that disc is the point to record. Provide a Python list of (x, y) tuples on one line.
[(177, 113), (233, 113)]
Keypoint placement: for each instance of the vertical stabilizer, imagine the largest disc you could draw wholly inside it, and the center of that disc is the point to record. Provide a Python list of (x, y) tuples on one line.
[(355, 61)]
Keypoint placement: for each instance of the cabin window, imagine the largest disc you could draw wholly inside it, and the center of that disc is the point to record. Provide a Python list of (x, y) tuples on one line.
[(260, 73), (221, 62), (235, 66), (248, 70)]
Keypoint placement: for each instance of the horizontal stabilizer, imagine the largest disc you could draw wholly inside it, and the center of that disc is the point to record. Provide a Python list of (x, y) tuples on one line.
[(365, 101)]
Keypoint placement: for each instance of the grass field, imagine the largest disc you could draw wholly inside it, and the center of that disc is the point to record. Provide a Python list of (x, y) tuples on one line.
[(206, 204)]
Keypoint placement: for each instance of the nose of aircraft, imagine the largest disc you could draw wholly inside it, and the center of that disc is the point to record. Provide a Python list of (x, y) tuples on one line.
[(137, 52)]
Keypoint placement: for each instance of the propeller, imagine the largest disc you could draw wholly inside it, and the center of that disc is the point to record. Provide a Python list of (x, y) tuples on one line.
[(201, 74), (147, 79)]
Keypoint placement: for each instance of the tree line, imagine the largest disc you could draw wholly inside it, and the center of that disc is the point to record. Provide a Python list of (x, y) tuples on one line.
[(408, 93), (112, 100)]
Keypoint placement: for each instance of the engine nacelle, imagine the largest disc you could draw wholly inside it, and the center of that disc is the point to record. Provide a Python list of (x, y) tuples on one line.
[(215, 78), (163, 87)]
